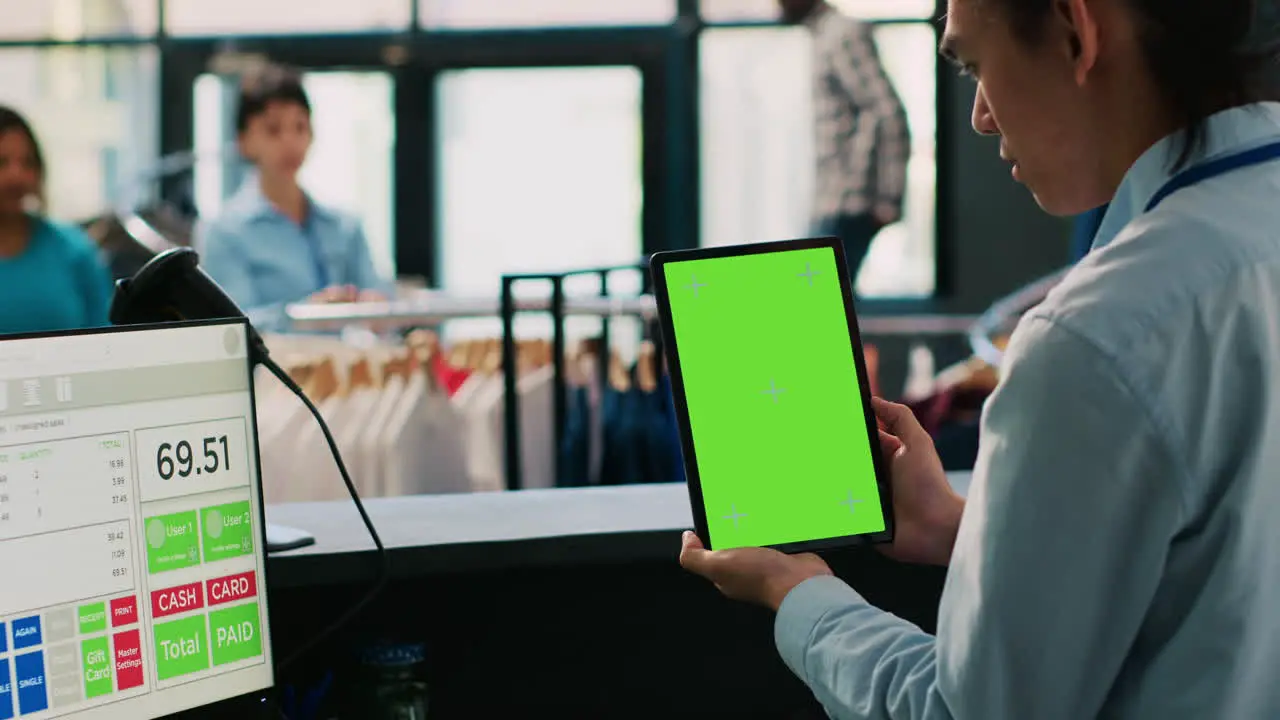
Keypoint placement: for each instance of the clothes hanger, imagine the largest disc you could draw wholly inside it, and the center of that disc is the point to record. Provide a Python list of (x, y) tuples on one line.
[(396, 366), (324, 380), (646, 370), (359, 375), (619, 378), (491, 364)]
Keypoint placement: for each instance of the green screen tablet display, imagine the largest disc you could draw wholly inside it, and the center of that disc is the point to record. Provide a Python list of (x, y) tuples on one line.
[(775, 408)]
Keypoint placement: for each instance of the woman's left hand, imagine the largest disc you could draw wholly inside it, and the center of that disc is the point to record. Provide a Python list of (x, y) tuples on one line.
[(757, 575)]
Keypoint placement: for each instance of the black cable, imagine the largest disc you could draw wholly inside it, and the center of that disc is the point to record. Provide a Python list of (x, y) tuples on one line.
[(384, 570)]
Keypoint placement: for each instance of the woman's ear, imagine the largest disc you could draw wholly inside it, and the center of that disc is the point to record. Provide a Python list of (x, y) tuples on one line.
[(1078, 21), (242, 145)]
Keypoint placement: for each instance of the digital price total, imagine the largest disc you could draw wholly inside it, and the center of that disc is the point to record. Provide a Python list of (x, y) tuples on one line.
[(179, 459)]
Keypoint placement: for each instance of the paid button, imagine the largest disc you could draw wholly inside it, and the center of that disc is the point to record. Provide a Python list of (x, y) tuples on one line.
[(235, 633)]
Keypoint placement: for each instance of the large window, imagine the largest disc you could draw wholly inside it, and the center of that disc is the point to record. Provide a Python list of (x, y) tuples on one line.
[(719, 11), (540, 170), (534, 166), (95, 113), (544, 13), (242, 17), (758, 146), (349, 166), (76, 19)]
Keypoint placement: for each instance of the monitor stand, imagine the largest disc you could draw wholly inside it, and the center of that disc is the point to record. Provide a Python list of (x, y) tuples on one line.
[(281, 538)]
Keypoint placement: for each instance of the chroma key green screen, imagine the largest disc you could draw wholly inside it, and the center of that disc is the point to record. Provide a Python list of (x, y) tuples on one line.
[(775, 410)]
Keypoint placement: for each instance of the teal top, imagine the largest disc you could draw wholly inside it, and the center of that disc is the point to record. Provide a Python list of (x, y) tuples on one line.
[(57, 283)]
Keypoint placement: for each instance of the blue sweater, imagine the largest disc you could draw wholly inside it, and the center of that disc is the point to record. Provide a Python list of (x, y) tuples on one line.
[(57, 283)]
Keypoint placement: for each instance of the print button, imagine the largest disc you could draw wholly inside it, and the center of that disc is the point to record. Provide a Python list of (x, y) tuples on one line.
[(124, 611)]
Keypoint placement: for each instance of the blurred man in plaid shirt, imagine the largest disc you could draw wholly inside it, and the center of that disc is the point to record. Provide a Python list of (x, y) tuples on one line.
[(862, 140)]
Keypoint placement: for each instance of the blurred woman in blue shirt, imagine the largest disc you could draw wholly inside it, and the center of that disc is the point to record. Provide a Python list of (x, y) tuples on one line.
[(273, 244), (51, 277)]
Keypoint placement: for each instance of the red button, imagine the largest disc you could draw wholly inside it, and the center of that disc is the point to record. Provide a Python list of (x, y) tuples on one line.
[(124, 611), (232, 588), (128, 656), (174, 600)]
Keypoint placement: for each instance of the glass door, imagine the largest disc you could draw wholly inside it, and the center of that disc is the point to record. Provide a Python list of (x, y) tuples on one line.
[(540, 170)]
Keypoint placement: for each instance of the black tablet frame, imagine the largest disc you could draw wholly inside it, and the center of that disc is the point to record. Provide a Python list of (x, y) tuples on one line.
[(671, 350)]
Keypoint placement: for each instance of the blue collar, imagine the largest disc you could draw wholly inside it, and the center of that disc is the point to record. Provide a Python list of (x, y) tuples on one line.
[(249, 200), (1227, 131)]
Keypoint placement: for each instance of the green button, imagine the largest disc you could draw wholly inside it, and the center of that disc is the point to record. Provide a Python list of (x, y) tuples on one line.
[(228, 531), (182, 647), (93, 618), (172, 543), (235, 633), (97, 667)]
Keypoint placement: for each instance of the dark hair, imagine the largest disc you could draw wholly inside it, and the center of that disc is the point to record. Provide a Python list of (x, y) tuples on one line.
[(12, 121), (1203, 54), (270, 84)]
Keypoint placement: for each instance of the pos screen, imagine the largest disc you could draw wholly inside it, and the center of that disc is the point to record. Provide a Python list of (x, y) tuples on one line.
[(131, 535), (780, 446)]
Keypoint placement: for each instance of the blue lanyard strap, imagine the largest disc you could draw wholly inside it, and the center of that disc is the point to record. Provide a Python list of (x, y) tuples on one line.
[(317, 249), (1214, 168)]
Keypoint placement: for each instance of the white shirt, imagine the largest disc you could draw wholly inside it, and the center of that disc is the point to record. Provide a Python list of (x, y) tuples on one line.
[(1119, 555)]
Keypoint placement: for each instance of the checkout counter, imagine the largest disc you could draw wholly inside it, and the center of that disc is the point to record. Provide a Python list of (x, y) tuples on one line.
[(561, 603)]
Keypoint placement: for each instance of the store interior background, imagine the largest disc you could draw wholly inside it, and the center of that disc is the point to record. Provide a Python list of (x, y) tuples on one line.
[(485, 136), (480, 137)]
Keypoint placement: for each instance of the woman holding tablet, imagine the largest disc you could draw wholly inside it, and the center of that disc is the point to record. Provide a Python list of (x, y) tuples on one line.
[(1119, 553)]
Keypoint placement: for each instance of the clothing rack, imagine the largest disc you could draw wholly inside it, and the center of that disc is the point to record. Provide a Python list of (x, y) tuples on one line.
[(432, 308), (560, 308)]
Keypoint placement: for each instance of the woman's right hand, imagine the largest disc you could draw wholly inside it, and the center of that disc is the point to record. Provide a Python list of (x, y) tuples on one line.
[(926, 510), (334, 294)]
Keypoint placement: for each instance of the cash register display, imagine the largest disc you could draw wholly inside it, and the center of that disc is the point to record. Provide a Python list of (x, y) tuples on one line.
[(131, 546)]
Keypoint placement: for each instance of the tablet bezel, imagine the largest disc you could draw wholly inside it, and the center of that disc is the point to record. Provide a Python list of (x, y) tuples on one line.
[(671, 351)]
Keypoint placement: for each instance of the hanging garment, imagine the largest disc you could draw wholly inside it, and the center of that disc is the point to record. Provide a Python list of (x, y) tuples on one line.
[(449, 377), (575, 449), (537, 432), (662, 436), (372, 463), (422, 445)]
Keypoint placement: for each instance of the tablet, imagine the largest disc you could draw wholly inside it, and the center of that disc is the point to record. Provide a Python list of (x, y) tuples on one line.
[(781, 448)]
